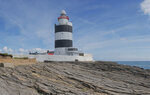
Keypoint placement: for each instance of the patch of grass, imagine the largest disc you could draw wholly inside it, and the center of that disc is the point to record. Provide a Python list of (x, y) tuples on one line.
[(6, 55), (21, 58)]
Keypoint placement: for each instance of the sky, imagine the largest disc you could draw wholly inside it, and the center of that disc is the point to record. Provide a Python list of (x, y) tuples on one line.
[(113, 30)]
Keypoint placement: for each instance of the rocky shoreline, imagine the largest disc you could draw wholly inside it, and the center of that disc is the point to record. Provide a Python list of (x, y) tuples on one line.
[(74, 78)]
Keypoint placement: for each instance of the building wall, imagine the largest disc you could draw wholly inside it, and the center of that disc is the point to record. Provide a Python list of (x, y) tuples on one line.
[(42, 58)]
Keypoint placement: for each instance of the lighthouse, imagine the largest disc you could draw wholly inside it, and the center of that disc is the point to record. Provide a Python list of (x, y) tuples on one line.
[(64, 49), (63, 36)]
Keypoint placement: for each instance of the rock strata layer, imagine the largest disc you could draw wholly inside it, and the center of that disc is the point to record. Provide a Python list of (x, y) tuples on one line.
[(74, 78)]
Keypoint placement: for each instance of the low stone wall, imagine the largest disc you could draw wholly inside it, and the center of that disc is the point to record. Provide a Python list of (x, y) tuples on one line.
[(7, 65), (6, 57), (23, 56), (17, 62)]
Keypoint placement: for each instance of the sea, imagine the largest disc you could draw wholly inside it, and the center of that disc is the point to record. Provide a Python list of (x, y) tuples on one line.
[(142, 64)]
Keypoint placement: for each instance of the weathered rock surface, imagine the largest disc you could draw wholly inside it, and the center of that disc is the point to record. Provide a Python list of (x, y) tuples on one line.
[(7, 65), (78, 78)]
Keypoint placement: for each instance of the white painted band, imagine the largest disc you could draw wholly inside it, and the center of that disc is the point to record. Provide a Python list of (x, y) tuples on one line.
[(63, 35)]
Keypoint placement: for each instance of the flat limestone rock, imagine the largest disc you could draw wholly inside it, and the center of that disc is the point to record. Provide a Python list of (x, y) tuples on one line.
[(7, 65), (74, 78)]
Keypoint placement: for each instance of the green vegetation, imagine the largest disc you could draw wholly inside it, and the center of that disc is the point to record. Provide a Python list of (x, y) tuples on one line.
[(6, 55), (21, 58)]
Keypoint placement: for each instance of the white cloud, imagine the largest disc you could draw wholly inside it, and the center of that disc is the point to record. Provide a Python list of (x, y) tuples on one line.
[(10, 50), (7, 50), (116, 41), (21, 50), (39, 50), (145, 6)]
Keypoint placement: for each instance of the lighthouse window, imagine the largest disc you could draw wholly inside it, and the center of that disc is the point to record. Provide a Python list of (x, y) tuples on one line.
[(72, 49)]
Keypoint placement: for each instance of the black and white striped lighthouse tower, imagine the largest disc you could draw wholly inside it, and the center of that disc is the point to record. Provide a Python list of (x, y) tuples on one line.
[(64, 50), (63, 35)]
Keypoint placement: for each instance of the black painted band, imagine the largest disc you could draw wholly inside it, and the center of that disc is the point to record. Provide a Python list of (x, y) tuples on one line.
[(63, 28), (63, 43)]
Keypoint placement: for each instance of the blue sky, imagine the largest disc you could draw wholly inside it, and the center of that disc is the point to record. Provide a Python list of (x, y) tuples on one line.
[(108, 29)]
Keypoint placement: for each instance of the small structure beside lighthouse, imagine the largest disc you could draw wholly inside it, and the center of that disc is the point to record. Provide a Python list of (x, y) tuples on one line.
[(64, 50)]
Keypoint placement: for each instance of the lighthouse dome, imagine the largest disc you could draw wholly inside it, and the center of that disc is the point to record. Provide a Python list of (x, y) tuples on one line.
[(63, 12)]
